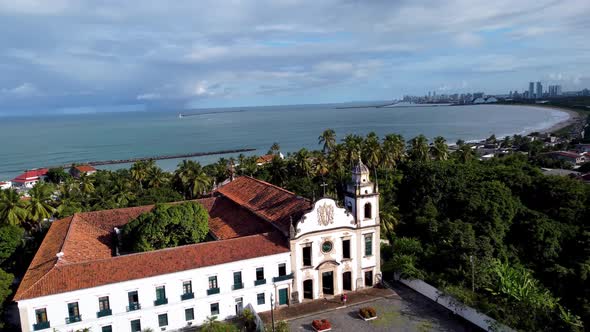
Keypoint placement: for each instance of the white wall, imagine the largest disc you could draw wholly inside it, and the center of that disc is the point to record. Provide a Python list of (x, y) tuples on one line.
[(57, 311)]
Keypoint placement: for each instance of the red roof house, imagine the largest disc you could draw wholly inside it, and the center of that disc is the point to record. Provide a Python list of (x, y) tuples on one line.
[(29, 178)]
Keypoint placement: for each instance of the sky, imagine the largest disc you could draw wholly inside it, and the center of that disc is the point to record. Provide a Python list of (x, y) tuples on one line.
[(88, 56)]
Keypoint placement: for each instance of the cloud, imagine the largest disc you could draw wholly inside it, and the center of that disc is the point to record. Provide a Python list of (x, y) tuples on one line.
[(23, 90), (156, 51)]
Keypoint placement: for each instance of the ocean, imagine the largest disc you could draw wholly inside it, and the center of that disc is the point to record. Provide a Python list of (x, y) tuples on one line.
[(48, 140)]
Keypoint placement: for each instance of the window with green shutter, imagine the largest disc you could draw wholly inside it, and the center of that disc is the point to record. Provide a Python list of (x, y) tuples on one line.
[(189, 314), (107, 328), (260, 298), (369, 245), (163, 320), (214, 309), (135, 325)]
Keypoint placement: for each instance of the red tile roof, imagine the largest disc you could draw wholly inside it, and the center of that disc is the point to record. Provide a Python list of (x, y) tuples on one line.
[(239, 217), (267, 158), (272, 203), (85, 168), (31, 175), (54, 277)]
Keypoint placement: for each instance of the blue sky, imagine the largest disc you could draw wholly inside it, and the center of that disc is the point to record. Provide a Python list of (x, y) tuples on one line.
[(66, 55)]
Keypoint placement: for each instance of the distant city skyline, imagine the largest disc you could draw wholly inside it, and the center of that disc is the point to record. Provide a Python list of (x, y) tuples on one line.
[(88, 56)]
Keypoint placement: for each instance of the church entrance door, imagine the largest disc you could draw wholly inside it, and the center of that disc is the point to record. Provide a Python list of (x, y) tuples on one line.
[(328, 283), (308, 289), (347, 281)]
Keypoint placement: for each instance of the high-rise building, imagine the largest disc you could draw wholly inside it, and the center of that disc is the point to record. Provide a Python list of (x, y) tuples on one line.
[(554, 90), (531, 94), (539, 90)]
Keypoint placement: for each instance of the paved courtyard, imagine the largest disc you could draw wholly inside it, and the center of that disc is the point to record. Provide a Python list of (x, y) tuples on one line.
[(406, 311)]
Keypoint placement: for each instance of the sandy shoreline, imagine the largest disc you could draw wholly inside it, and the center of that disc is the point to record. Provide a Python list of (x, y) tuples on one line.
[(573, 117)]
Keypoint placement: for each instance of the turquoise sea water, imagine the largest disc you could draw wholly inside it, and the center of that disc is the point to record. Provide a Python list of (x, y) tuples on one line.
[(30, 142)]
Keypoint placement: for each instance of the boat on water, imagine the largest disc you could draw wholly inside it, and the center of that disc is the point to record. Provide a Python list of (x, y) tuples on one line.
[(180, 115)]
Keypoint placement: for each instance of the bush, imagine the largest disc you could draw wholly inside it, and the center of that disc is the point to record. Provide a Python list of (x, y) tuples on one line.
[(368, 312), (166, 226), (321, 324)]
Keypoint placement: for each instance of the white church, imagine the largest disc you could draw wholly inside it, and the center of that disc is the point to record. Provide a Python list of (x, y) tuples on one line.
[(266, 244)]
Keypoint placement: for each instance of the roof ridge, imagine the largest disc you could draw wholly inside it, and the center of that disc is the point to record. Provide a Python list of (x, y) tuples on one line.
[(171, 248), (24, 292), (275, 186)]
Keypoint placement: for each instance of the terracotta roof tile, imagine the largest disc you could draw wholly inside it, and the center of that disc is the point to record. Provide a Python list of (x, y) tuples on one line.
[(74, 276), (266, 200), (85, 168), (229, 220)]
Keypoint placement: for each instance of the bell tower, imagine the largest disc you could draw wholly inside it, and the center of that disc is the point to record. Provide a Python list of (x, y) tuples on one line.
[(362, 196)]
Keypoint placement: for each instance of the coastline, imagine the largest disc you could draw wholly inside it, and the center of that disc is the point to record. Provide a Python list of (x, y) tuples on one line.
[(573, 117)]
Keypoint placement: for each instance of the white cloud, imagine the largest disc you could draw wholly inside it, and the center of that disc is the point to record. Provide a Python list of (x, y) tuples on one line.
[(34, 7), (149, 96), (468, 39), (23, 90)]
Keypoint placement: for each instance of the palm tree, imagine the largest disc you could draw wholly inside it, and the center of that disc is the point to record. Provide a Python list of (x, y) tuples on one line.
[(140, 170), (86, 185), (439, 149), (352, 145), (302, 161), (418, 148), (275, 148), (389, 217), (393, 150), (328, 139), (372, 150), (157, 178), (39, 206), (321, 166), (506, 142), (464, 153), (278, 171), (192, 178), (13, 210)]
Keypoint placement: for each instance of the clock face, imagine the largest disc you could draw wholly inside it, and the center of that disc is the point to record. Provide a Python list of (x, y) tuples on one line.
[(327, 246)]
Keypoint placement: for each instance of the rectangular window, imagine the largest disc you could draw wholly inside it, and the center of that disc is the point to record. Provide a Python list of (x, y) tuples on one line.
[(189, 314), (214, 309), (187, 287), (160, 293), (103, 303), (346, 249), (163, 320), (307, 256), (41, 315), (259, 273), (133, 297), (73, 309), (107, 328), (237, 278), (260, 298), (212, 282), (282, 269), (135, 326), (369, 245)]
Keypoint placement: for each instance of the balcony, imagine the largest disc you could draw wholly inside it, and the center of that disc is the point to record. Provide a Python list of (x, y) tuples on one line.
[(41, 326), (73, 319), (187, 296), (237, 286), (259, 282), (103, 313), (161, 301), (283, 278), (212, 291), (133, 306)]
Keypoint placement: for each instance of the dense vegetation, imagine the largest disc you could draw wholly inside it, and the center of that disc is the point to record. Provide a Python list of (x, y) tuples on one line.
[(167, 225), (524, 236)]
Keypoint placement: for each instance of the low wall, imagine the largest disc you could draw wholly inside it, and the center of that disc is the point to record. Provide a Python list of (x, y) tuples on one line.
[(470, 314)]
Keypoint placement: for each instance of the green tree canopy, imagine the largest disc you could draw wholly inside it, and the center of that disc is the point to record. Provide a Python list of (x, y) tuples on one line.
[(167, 225)]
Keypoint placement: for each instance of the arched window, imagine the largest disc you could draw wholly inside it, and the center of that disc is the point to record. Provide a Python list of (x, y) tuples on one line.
[(368, 211)]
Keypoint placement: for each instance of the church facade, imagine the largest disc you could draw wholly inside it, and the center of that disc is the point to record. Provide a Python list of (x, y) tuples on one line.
[(268, 247)]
